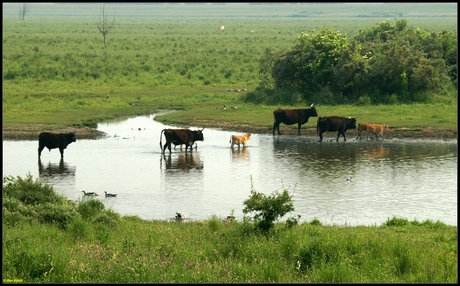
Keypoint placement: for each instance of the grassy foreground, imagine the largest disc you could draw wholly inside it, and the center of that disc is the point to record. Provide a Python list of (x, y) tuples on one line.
[(47, 238)]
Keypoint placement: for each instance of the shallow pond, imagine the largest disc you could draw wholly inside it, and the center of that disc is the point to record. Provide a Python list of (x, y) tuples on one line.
[(402, 178)]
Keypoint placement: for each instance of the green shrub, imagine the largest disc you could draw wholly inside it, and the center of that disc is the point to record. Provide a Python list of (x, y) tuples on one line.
[(268, 209), (90, 208)]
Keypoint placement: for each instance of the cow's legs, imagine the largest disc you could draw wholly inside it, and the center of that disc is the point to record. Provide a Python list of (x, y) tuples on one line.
[(321, 136), (276, 126), (298, 128), (40, 149), (61, 150), (343, 134), (169, 147)]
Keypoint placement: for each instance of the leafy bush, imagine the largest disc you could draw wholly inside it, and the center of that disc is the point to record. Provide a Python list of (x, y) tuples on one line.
[(26, 199), (90, 208), (268, 209)]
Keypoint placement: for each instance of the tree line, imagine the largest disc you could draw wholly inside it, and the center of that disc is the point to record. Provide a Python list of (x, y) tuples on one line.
[(385, 64)]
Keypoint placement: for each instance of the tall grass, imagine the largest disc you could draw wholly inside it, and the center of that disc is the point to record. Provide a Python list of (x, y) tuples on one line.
[(96, 245)]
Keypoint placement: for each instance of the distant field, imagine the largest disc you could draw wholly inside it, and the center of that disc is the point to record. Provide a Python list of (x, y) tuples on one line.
[(241, 10), (164, 56)]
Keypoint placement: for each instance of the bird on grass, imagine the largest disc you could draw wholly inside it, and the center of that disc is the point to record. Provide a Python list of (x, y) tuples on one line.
[(90, 194), (109, 195)]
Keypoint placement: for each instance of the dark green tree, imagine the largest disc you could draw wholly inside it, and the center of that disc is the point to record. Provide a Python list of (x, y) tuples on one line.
[(309, 66)]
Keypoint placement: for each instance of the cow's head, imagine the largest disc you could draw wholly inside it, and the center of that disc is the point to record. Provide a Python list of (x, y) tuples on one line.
[(313, 110), (198, 135), (352, 123), (72, 137)]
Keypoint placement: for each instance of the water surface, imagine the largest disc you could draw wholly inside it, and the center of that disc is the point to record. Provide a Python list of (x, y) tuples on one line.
[(409, 179)]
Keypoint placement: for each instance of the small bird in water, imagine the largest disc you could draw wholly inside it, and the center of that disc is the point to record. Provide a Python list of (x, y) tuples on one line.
[(110, 195), (90, 194), (179, 216), (349, 179)]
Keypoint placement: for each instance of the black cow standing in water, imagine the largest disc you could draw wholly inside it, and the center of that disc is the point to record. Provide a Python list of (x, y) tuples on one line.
[(293, 116), (179, 137), (335, 123), (51, 141)]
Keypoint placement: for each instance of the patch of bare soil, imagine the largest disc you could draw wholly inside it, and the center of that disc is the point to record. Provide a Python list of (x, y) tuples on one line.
[(80, 133), (392, 133), (427, 133)]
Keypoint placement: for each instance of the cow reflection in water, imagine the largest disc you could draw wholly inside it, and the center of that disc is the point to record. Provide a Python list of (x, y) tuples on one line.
[(54, 169), (185, 161), (240, 154), (376, 152)]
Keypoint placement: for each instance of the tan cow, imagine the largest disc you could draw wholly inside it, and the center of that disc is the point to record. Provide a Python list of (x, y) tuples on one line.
[(240, 139), (376, 129), (222, 29)]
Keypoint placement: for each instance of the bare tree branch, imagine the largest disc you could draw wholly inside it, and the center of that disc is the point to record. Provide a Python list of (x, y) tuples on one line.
[(104, 25), (24, 10)]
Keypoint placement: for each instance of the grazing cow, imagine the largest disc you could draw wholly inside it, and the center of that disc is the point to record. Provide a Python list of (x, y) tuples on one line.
[(222, 29), (335, 123), (292, 116), (240, 139), (180, 136), (51, 141), (377, 129)]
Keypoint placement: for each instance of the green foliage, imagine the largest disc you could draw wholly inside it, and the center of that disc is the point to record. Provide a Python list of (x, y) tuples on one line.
[(26, 199), (90, 208), (383, 60), (268, 209), (109, 248)]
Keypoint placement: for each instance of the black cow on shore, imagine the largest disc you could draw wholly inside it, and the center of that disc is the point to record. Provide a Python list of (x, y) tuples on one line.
[(335, 123), (179, 137), (51, 141), (292, 116)]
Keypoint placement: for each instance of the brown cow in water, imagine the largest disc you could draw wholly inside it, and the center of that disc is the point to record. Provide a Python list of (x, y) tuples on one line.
[(335, 123), (240, 139), (51, 141), (292, 116), (377, 129), (179, 137)]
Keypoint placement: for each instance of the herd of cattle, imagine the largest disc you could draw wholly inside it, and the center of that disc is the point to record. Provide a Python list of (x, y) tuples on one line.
[(189, 137)]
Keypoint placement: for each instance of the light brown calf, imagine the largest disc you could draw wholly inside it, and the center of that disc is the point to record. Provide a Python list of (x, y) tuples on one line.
[(376, 129), (240, 139)]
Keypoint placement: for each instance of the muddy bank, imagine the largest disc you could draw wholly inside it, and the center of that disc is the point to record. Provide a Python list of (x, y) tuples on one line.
[(427, 133), (80, 133), (398, 133)]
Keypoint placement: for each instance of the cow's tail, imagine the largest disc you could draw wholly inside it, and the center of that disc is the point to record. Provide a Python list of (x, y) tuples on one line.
[(230, 139), (161, 135)]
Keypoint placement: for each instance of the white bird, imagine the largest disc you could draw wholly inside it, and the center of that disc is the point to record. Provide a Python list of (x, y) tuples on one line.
[(349, 179)]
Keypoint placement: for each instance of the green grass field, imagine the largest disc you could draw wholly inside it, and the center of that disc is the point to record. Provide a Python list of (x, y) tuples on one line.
[(47, 238)]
